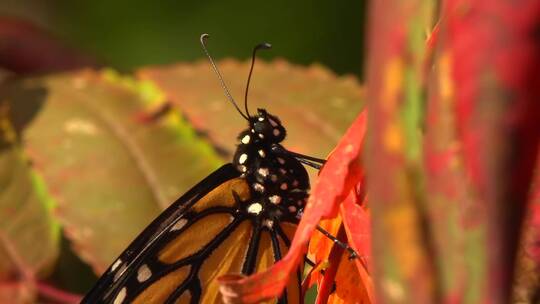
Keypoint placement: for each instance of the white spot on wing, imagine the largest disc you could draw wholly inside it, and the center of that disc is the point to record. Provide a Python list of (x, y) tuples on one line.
[(255, 208), (120, 296), (292, 208), (144, 273), (119, 273), (116, 264), (281, 160), (179, 225), (262, 153), (273, 123), (283, 186), (276, 132), (245, 139)]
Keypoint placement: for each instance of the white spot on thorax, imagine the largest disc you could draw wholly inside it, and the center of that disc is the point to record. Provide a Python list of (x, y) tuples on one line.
[(269, 223), (275, 199), (242, 159), (261, 135), (263, 172), (120, 296), (245, 139), (179, 225), (143, 273), (258, 187), (261, 118), (255, 208), (262, 153)]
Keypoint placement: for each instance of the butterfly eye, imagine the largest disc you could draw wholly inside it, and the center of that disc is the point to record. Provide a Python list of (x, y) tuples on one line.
[(263, 127)]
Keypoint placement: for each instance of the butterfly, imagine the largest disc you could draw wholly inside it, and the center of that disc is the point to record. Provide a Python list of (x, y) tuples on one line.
[(240, 219)]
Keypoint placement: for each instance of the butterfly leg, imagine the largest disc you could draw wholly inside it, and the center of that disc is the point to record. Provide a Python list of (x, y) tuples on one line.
[(311, 161), (316, 163), (352, 253), (309, 262)]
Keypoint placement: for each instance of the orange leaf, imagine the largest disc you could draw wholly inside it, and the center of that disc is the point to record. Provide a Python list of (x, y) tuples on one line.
[(352, 285)]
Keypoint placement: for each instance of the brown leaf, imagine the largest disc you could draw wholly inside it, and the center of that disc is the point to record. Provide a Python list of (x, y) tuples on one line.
[(110, 173), (314, 105)]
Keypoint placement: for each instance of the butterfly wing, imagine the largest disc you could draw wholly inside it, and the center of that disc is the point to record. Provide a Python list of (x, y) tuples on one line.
[(199, 238)]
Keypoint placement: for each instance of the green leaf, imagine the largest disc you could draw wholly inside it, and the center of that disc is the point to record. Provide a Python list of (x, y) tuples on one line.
[(28, 234), (110, 173)]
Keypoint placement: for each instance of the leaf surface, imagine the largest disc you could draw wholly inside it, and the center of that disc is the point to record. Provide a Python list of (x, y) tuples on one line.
[(110, 173), (314, 105), (29, 235)]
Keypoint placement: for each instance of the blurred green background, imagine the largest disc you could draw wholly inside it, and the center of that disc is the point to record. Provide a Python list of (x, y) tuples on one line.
[(129, 33)]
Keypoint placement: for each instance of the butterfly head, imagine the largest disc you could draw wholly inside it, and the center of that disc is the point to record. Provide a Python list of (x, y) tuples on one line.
[(266, 127)]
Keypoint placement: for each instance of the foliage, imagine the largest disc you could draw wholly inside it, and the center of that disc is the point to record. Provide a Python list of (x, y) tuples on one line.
[(432, 191), (104, 153)]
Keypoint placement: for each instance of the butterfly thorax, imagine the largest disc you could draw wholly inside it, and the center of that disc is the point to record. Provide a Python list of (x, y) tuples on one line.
[(278, 181)]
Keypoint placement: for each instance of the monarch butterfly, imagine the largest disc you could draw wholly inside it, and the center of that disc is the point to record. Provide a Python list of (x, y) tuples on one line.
[(240, 219)]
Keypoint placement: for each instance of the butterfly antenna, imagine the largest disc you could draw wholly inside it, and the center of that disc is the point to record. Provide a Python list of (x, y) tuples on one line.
[(214, 66), (265, 46)]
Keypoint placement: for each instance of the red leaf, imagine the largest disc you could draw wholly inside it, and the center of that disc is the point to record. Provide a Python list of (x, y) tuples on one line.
[(496, 55), (320, 245), (533, 248), (395, 88), (27, 49), (352, 284), (351, 277), (340, 174), (326, 284), (358, 227)]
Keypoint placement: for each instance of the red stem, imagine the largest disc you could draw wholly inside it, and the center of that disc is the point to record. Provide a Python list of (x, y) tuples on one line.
[(325, 288), (56, 295)]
